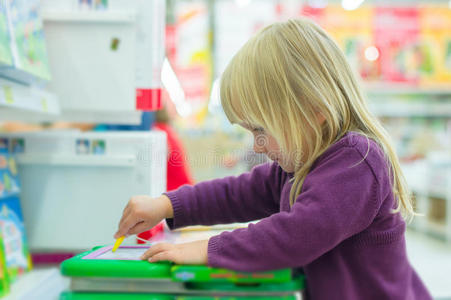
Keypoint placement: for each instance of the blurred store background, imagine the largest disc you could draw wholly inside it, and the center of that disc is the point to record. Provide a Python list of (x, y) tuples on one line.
[(400, 48)]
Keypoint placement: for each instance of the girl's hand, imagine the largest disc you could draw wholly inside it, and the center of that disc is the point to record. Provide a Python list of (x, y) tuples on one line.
[(194, 253), (142, 213)]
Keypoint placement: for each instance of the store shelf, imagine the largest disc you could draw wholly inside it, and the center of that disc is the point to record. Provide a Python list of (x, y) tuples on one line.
[(130, 118), (400, 100), (39, 284), (402, 89), (435, 230), (28, 97), (88, 16), (406, 108), (430, 183), (91, 160)]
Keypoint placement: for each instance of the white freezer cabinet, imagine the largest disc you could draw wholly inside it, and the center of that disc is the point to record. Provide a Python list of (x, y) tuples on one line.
[(75, 185)]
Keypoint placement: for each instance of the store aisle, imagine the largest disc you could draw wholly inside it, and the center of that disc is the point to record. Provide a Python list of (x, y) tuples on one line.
[(432, 260)]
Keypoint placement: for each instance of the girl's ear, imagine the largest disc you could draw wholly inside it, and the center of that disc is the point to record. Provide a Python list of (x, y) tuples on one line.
[(320, 117)]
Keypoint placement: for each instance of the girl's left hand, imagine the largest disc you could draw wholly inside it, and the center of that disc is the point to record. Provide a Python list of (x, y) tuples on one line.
[(194, 253)]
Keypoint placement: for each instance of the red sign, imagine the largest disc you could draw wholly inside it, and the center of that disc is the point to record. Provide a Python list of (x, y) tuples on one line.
[(396, 32), (148, 99)]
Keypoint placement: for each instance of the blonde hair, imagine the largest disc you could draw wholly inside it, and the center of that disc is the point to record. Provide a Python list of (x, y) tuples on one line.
[(283, 77)]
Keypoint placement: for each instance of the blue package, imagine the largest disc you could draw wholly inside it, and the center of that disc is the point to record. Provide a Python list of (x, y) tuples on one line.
[(12, 227)]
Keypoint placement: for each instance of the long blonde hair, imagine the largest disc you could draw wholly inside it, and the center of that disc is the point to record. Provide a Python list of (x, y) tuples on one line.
[(283, 77)]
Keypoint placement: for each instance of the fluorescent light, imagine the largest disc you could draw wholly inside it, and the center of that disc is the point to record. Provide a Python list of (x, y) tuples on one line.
[(371, 53), (351, 4), (175, 90), (215, 98)]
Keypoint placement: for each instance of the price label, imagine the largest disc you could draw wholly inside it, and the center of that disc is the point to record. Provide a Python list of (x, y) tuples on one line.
[(44, 104), (8, 94)]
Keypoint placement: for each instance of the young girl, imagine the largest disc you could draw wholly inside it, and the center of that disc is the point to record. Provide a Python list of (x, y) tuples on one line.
[(332, 201)]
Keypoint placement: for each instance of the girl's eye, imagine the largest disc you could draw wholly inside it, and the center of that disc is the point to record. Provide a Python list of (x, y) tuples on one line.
[(258, 130)]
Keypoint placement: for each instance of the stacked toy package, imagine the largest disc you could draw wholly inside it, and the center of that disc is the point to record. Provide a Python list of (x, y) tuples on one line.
[(13, 243), (435, 48)]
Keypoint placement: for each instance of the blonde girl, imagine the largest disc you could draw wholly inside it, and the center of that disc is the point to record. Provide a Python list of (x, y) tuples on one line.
[(332, 201)]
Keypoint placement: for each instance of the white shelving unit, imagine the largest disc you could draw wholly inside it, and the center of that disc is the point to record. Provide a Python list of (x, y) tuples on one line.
[(40, 284), (430, 178), (23, 76), (89, 16), (399, 101), (98, 60), (101, 63), (402, 90), (404, 108), (431, 184), (26, 97)]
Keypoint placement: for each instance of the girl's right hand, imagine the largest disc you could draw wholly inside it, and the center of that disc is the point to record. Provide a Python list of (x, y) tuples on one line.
[(143, 213)]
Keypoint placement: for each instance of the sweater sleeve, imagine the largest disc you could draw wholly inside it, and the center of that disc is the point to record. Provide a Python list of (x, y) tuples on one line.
[(340, 198), (250, 196)]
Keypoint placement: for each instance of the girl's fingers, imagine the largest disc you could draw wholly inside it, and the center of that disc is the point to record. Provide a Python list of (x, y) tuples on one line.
[(125, 215), (153, 250), (126, 208), (189, 253), (138, 228), (126, 211), (162, 256), (128, 223), (121, 227)]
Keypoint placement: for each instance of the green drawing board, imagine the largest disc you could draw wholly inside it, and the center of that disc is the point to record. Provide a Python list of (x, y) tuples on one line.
[(121, 296), (100, 274), (111, 296), (100, 262), (288, 297), (125, 263), (209, 274)]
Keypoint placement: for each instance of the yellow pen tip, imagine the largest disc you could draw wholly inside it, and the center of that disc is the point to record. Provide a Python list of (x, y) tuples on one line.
[(118, 243)]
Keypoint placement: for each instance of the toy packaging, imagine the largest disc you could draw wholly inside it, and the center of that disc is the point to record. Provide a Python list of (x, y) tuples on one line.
[(14, 243)]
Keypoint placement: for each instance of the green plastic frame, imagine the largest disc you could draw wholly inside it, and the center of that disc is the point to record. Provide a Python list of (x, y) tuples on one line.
[(79, 267)]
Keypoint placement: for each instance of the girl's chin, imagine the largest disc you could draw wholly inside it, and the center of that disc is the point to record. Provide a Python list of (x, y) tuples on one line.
[(287, 169)]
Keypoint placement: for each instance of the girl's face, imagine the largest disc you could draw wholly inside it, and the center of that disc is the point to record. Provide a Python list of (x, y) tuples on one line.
[(267, 144)]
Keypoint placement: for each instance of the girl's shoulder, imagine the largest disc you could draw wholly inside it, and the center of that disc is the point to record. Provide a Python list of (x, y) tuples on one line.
[(368, 151), (367, 147)]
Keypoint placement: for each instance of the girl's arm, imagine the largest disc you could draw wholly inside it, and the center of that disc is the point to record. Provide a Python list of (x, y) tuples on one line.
[(250, 196), (340, 198)]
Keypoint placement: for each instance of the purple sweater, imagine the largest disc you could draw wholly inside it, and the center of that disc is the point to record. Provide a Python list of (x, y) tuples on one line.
[(340, 230)]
